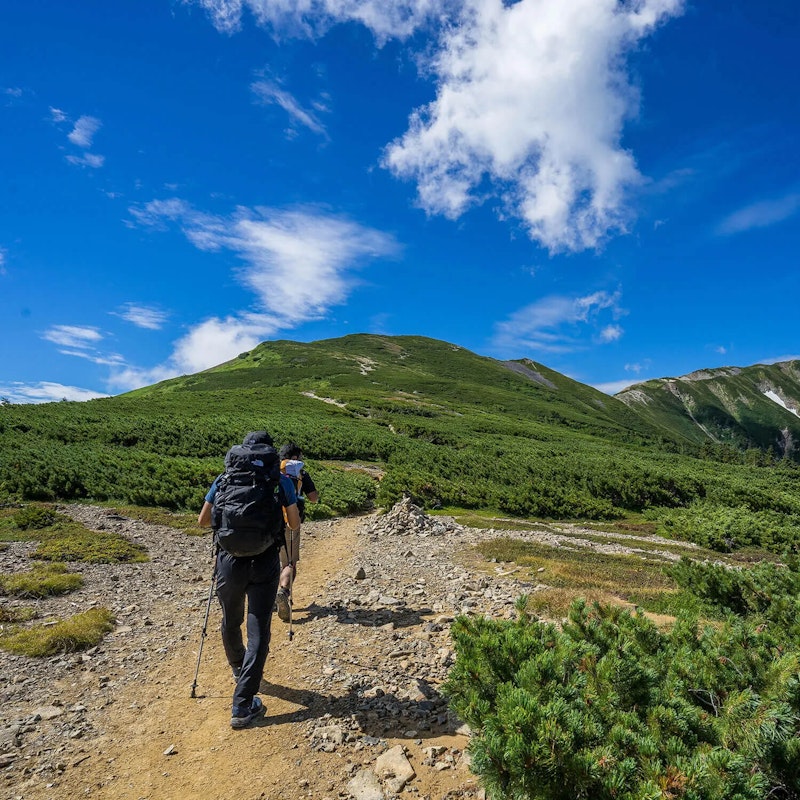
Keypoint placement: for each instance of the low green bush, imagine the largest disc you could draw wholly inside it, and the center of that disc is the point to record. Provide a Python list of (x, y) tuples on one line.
[(34, 518)]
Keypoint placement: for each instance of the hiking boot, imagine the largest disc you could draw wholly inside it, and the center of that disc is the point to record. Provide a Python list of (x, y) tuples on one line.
[(243, 719), (284, 604)]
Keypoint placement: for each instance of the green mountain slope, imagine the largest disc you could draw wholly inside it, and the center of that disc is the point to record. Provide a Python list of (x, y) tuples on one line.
[(437, 422), (749, 407), (372, 377)]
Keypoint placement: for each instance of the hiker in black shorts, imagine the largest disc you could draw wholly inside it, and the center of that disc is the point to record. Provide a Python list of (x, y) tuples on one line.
[(293, 467)]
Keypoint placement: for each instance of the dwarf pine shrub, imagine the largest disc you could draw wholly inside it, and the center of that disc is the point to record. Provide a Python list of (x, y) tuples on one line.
[(609, 708)]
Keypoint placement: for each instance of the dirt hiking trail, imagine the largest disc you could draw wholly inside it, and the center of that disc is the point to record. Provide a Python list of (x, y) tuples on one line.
[(331, 694), (354, 707)]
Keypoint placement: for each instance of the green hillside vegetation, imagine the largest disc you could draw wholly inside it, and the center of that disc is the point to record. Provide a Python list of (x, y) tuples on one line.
[(442, 424)]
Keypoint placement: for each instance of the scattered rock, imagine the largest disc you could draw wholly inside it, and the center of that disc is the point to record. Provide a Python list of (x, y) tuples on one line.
[(394, 768), (365, 786)]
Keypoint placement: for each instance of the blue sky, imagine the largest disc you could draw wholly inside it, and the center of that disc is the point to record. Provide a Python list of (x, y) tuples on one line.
[(608, 188)]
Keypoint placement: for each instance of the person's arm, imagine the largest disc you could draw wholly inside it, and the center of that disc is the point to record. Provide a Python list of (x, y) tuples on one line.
[(289, 502), (204, 519), (309, 490), (293, 516)]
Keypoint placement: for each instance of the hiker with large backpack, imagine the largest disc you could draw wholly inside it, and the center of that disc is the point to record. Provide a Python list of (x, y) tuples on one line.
[(293, 467), (245, 508)]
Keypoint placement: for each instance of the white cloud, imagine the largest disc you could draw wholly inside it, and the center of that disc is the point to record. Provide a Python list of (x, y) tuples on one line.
[(613, 387), (530, 105), (557, 324), (45, 392), (269, 92), (96, 357), (128, 377), (83, 132), (532, 97), (637, 367), (215, 341), (760, 215), (143, 316), (778, 359), (13, 91), (57, 115), (611, 333), (3, 257), (75, 336), (87, 160), (397, 18), (298, 263)]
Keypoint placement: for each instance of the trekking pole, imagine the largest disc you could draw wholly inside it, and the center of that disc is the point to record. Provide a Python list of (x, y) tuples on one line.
[(287, 540), (204, 632), (291, 599)]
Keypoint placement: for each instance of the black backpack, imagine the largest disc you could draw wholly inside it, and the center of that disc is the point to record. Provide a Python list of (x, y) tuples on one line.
[(247, 514)]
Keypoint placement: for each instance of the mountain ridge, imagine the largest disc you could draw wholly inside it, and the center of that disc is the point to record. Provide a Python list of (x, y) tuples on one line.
[(747, 407)]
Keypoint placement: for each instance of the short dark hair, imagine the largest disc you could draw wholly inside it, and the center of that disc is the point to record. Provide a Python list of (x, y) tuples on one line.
[(290, 450), (257, 437)]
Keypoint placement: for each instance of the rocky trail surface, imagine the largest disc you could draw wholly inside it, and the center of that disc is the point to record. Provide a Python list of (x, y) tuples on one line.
[(353, 699)]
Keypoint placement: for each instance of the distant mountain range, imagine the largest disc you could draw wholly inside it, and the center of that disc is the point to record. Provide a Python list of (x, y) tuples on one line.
[(746, 407)]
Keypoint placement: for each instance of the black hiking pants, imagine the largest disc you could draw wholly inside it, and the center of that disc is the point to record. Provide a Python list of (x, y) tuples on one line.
[(254, 580)]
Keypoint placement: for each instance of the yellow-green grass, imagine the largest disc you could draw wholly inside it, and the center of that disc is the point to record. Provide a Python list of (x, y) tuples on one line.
[(605, 578), (15, 613), (184, 521), (42, 580), (60, 538), (67, 636), (73, 542)]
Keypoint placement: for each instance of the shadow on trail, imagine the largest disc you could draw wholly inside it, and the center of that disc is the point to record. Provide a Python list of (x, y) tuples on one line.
[(386, 716), (401, 616)]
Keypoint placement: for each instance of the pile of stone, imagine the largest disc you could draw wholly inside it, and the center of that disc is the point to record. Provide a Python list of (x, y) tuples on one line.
[(407, 519)]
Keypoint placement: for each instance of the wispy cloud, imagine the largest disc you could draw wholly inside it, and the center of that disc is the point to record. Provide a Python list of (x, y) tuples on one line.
[(45, 392), (12, 91), (87, 160), (76, 336), (778, 359), (81, 135), (82, 341), (613, 387), (559, 324), (297, 262), (143, 316), (270, 92), (84, 130), (638, 367), (3, 256), (398, 18), (611, 333), (530, 106), (760, 215)]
